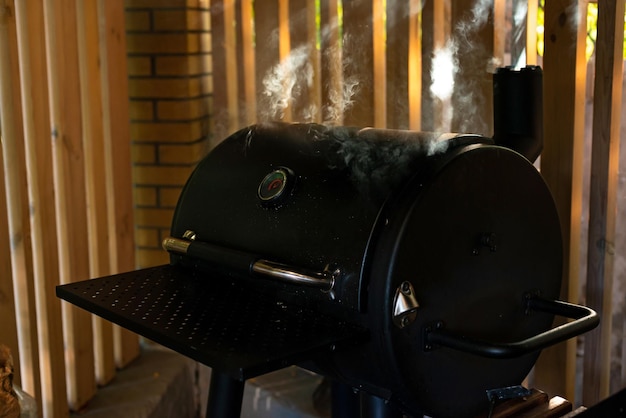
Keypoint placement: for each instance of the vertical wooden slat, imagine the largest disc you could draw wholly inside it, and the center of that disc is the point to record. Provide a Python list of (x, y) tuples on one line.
[(284, 59), (561, 163), (8, 330), (415, 66), (246, 65), (531, 32), (218, 59), (34, 93), (93, 143), (398, 39), (224, 58), (303, 37), (231, 64), (472, 100), (499, 31), (117, 157), (17, 208), (379, 77), (433, 39), (71, 211), (619, 376), (331, 63), (246, 40), (603, 195), (266, 24), (358, 62)]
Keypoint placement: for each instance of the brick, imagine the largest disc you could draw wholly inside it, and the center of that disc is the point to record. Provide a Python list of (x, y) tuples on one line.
[(154, 217), (206, 85), (141, 110), (139, 66), (145, 196), (200, 20), (164, 87), (164, 233), (162, 43), (161, 175), (168, 196), (171, 132), (206, 20), (155, 4), (205, 42), (137, 20), (151, 257), (182, 109), (143, 154), (147, 237), (170, 20), (180, 20), (182, 154), (178, 65)]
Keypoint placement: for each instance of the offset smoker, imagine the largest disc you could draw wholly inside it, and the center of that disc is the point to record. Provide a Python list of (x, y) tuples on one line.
[(421, 269)]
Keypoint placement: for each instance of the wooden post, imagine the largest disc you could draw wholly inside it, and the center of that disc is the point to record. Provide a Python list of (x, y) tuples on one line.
[(303, 37), (8, 330), (603, 195), (117, 157), (499, 32), (358, 64), (230, 51), (41, 355), (71, 211), (223, 48), (398, 50), (473, 33), (561, 166), (97, 198), (331, 63), (246, 68), (266, 23), (433, 39)]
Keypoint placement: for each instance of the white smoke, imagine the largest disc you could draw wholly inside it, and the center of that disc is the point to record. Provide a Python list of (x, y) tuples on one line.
[(340, 99), (284, 83), (446, 67)]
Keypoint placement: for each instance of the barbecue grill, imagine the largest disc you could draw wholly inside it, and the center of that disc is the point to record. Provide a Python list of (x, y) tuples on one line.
[(420, 269)]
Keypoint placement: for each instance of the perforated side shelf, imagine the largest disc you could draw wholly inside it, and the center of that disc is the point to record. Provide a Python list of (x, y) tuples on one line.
[(214, 320)]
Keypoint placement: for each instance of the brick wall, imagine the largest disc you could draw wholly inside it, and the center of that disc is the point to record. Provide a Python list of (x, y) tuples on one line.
[(170, 88)]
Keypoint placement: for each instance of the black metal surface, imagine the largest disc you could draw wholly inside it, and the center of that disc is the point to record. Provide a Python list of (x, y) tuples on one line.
[(586, 319), (518, 110), (225, 396), (233, 327)]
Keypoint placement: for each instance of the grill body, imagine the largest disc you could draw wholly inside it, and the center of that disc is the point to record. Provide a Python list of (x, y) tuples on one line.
[(471, 227)]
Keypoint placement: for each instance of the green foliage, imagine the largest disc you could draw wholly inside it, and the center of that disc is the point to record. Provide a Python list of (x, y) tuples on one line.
[(592, 29)]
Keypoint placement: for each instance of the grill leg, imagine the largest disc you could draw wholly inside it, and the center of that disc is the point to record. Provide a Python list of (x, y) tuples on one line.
[(344, 402), (225, 396), (375, 407)]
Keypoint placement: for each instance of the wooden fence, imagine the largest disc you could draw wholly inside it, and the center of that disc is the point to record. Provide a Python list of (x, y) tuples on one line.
[(66, 202), (393, 64)]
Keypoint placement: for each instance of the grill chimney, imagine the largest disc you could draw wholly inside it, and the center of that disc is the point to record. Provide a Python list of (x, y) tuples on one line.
[(518, 110)]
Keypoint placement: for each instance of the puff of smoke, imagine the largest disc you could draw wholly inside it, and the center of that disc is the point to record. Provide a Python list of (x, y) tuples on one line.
[(380, 160), (340, 100), (284, 82), (444, 67)]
